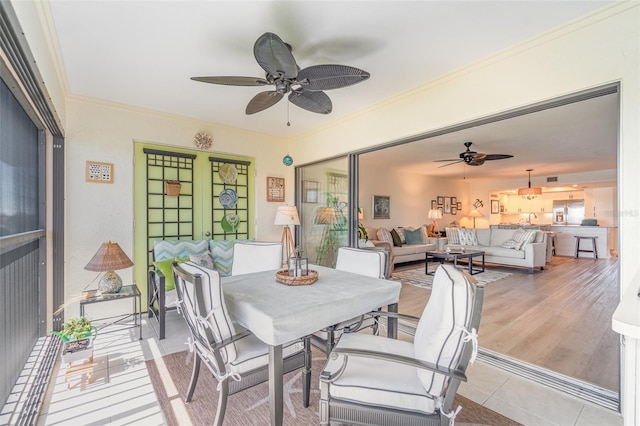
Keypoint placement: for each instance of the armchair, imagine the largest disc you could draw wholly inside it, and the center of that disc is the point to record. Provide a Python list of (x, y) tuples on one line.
[(236, 358), (370, 379)]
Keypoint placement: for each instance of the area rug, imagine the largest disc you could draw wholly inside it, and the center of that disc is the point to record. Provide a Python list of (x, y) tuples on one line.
[(418, 278), (170, 377)]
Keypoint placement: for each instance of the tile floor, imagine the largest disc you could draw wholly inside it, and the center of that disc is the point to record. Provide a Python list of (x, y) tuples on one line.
[(121, 392)]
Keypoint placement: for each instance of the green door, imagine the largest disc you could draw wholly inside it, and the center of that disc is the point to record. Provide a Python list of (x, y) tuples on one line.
[(182, 194)]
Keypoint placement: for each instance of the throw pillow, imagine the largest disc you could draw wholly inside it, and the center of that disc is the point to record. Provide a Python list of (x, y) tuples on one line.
[(205, 260), (468, 237), (400, 231), (385, 235), (396, 238), (165, 266), (222, 253), (452, 235), (414, 237), (523, 237), (511, 244)]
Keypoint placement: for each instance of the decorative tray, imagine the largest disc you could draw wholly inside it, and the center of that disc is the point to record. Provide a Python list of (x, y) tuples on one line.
[(283, 278)]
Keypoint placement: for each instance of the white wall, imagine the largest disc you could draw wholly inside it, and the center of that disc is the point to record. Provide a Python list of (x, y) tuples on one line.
[(106, 132), (411, 196)]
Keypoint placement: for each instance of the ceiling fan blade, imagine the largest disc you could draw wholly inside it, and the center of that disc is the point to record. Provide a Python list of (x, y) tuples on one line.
[(442, 161), (476, 162), (450, 164), (233, 81), (326, 77), (497, 156), (478, 156), (262, 101), (311, 101), (274, 56)]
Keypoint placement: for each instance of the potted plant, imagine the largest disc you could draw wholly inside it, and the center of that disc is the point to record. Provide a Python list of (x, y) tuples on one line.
[(77, 335)]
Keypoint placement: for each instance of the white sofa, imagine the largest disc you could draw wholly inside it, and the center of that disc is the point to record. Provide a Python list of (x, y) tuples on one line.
[(530, 255), (404, 253)]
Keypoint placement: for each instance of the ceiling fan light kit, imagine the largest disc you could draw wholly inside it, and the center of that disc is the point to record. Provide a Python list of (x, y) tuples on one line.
[(304, 86), (529, 193)]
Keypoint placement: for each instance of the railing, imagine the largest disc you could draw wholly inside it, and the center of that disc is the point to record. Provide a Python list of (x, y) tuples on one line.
[(20, 311)]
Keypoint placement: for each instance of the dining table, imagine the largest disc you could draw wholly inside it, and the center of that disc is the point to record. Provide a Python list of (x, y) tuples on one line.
[(277, 313)]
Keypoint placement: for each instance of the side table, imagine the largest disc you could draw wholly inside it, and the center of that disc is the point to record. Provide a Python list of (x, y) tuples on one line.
[(126, 292)]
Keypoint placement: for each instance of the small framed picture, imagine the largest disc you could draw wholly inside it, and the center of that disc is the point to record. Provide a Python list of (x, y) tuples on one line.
[(381, 207), (97, 172), (434, 204), (454, 201), (447, 205), (459, 205), (275, 189), (440, 199), (310, 191), (454, 209), (495, 206)]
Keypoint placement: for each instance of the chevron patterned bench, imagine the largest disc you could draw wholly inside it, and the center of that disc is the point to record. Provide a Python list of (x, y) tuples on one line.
[(161, 294)]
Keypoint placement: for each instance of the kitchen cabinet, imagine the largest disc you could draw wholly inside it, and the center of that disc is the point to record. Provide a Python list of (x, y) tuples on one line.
[(541, 204)]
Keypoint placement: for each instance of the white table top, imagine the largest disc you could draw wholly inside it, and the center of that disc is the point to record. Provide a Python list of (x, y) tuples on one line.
[(277, 313)]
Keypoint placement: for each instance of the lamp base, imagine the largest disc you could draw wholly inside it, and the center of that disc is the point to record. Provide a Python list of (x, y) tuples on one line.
[(287, 244), (110, 283)]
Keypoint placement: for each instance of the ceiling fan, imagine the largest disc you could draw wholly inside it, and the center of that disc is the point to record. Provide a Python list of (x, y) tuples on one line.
[(473, 158), (305, 86)]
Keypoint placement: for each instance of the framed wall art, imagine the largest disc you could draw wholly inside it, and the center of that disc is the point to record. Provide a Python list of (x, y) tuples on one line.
[(454, 209), (381, 207), (310, 191), (98, 172), (454, 201), (275, 189), (447, 205), (459, 205), (495, 206), (434, 204), (440, 199)]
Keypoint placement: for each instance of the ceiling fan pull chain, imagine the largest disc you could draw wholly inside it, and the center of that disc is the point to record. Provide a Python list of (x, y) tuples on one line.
[(288, 124)]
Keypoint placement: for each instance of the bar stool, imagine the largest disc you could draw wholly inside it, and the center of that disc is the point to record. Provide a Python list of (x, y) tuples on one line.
[(593, 243)]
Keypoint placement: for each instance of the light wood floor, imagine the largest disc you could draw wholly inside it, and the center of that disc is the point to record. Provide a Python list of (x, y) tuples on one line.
[(559, 318)]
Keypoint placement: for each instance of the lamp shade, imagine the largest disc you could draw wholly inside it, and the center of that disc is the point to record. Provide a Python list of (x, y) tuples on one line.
[(287, 215), (435, 214), (529, 192), (325, 216), (474, 213), (109, 257)]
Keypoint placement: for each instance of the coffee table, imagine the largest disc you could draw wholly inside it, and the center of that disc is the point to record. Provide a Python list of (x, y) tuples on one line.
[(454, 255)]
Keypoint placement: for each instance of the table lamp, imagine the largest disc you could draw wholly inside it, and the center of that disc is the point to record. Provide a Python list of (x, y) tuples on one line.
[(109, 258), (287, 215), (435, 214), (474, 213)]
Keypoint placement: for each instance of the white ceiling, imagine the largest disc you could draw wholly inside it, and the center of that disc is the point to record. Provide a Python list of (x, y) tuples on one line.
[(142, 53)]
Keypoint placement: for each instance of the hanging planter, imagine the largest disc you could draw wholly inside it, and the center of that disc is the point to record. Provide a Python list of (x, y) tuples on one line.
[(172, 187)]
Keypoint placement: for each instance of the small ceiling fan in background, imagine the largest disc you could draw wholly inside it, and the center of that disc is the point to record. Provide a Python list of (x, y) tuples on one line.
[(304, 86), (473, 158)]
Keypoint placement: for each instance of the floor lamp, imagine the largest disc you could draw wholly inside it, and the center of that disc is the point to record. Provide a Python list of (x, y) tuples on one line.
[(474, 213), (287, 215)]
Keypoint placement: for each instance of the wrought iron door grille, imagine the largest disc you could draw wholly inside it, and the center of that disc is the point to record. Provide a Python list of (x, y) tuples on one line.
[(229, 221), (168, 217)]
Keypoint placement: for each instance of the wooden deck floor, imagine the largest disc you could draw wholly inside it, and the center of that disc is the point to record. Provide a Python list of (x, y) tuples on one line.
[(559, 318)]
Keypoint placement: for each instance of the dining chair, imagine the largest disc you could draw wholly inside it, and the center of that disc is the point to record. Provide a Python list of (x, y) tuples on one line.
[(371, 379), (370, 263), (236, 358), (255, 256)]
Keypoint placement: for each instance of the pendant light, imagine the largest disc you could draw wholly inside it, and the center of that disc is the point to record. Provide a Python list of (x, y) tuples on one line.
[(529, 193)]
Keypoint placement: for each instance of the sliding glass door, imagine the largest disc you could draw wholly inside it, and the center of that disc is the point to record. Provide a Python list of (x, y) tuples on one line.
[(323, 204)]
